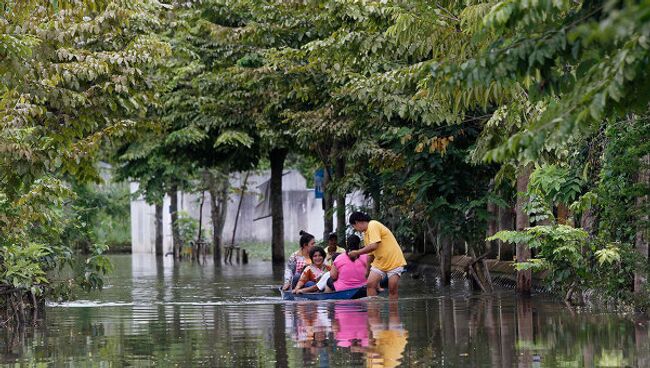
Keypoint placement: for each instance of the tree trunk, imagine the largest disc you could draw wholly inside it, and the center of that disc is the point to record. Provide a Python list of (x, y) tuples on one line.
[(588, 224), (375, 194), (641, 240), (588, 221), (492, 226), (431, 237), (277, 157), (173, 211), (340, 200), (524, 277), (218, 185), (159, 230), (562, 214), (445, 258), (242, 192), (642, 345), (328, 201), (506, 222), (199, 235)]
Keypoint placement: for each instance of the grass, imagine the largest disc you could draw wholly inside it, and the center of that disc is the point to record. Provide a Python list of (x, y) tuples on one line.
[(262, 251)]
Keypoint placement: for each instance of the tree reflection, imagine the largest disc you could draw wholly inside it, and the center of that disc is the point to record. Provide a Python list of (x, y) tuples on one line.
[(525, 340), (175, 318)]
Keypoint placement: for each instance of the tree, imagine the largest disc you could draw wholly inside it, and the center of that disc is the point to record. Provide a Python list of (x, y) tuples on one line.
[(233, 104), (147, 160), (68, 84)]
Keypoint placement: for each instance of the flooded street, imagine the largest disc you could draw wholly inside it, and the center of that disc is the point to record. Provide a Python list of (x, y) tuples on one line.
[(157, 314)]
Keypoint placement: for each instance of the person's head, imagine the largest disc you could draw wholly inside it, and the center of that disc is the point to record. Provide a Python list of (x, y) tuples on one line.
[(353, 243), (306, 240), (359, 221), (317, 256), (332, 239)]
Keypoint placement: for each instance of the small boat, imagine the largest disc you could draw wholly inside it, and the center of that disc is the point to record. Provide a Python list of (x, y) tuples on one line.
[(336, 295)]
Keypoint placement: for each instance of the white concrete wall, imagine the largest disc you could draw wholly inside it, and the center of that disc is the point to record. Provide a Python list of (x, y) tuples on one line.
[(301, 212), (142, 224)]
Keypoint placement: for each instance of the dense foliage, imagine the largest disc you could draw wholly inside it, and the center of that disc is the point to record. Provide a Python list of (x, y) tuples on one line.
[(73, 75), (437, 111)]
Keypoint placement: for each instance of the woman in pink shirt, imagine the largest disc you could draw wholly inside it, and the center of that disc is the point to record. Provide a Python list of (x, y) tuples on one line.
[(349, 272), (346, 272)]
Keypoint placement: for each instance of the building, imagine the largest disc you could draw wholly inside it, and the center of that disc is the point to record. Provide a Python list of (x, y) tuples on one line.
[(302, 211)]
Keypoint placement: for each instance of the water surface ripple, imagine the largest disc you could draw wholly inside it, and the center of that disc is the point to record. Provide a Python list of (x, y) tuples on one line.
[(155, 313)]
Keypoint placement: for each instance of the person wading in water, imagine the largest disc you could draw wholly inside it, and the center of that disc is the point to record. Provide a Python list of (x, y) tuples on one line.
[(387, 257)]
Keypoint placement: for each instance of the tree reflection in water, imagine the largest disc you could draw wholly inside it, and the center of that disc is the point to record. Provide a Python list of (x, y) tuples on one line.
[(159, 314), (480, 331)]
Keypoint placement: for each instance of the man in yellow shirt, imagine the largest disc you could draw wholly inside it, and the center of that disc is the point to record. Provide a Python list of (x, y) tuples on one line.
[(388, 259)]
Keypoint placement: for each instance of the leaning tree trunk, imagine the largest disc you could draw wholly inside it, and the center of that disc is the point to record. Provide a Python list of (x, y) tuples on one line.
[(173, 211), (524, 277), (242, 192), (277, 157), (340, 200), (328, 203), (641, 239), (159, 230), (218, 185)]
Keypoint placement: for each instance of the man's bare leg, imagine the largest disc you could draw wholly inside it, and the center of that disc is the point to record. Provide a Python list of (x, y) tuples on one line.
[(393, 286), (373, 282)]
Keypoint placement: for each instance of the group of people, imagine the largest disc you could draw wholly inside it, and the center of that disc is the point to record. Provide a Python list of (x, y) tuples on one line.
[(314, 269)]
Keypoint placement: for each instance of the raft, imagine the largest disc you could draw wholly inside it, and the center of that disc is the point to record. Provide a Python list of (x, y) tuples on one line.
[(336, 295)]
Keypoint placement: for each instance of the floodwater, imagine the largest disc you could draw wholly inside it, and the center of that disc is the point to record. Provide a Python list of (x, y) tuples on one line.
[(153, 313)]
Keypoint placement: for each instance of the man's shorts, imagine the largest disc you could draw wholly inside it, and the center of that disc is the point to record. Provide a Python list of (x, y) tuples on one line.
[(387, 274)]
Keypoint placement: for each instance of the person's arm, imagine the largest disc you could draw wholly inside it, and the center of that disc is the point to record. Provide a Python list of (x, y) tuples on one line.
[(289, 270), (370, 259), (304, 277), (334, 273), (311, 289), (365, 250), (298, 287)]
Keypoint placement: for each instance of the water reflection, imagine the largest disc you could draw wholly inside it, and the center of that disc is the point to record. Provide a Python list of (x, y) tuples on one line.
[(387, 338), (364, 331), (155, 313)]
